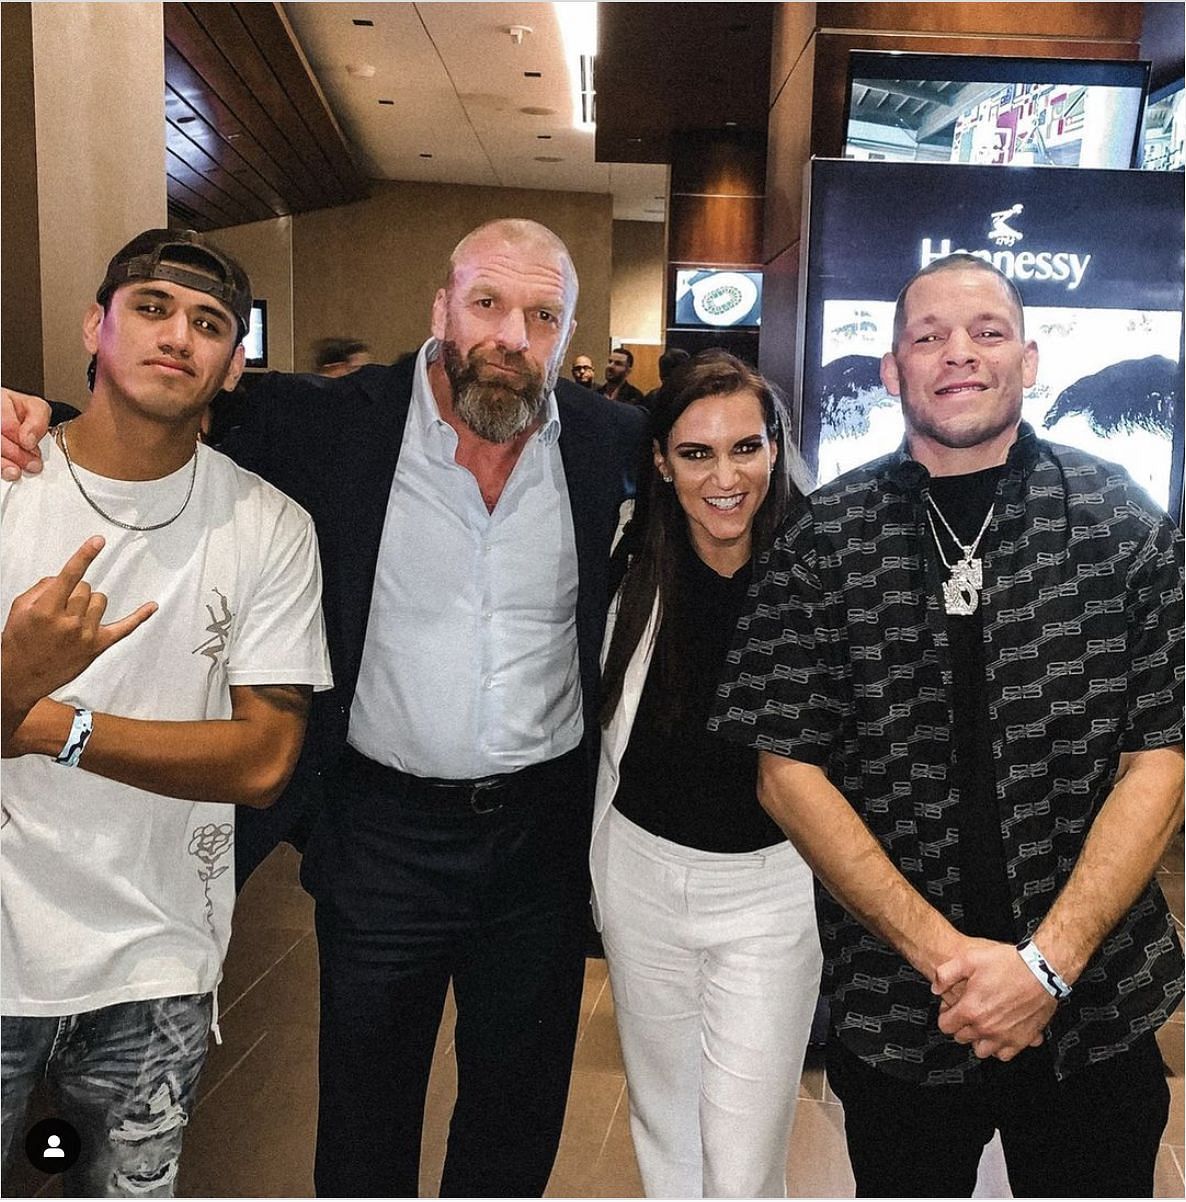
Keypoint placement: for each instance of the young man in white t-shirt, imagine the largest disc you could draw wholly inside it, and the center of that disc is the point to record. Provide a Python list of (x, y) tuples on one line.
[(129, 744)]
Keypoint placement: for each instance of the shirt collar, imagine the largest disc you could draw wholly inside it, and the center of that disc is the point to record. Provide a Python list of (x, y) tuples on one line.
[(910, 475), (424, 404)]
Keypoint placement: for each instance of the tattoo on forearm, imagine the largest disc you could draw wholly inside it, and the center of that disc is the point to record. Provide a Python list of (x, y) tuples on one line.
[(291, 698)]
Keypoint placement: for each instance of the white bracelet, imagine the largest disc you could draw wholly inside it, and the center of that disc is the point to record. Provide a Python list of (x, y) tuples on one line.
[(76, 741), (1047, 977)]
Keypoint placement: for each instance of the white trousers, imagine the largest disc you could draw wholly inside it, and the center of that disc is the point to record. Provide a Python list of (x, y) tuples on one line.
[(714, 961)]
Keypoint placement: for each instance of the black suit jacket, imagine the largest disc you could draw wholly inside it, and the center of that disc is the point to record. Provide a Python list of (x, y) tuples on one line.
[(627, 394), (333, 445)]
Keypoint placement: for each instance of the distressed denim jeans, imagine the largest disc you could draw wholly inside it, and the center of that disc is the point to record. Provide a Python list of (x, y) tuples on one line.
[(124, 1076)]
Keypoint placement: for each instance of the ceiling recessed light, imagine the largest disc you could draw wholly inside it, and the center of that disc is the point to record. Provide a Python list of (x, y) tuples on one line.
[(364, 22), (535, 110), (634, 141), (386, 101), (730, 124), (533, 75), (548, 158)]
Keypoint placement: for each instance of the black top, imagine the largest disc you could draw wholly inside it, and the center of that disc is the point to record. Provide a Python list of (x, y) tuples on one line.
[(844, 661), (964, 501), (627, 393), (684, 784)]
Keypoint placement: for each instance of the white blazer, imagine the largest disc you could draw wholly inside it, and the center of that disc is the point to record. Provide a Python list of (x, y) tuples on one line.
[(614, 739)]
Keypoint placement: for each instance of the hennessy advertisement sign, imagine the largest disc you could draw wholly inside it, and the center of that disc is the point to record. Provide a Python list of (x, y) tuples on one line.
[(1096, 255)]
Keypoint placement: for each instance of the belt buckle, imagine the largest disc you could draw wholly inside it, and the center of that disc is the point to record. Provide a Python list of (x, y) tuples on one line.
[(475, 796)]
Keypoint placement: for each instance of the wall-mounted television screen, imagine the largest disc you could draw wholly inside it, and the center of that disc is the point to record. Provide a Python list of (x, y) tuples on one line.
[(256, 342), (994, 111), (1164, 136), (719, 298)]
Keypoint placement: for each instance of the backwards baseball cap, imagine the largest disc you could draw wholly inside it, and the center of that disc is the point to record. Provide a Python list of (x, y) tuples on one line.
[(183, 257)]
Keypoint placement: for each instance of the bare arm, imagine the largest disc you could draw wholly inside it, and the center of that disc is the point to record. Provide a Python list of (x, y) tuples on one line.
[(1119, 856), (24, 419), (246, 759), (849, 860), (53, 633)]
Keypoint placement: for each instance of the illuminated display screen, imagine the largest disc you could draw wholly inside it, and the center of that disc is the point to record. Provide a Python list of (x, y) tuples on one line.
[(994, 111), (717, 298)]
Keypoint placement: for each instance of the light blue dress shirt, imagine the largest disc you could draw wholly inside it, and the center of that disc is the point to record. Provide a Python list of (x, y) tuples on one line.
[(470, 665)]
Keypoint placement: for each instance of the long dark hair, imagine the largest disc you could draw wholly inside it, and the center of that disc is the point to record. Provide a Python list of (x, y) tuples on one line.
[(657, 536)]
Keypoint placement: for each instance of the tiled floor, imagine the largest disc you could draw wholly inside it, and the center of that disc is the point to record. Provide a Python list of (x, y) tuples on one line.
[(252, 1133)]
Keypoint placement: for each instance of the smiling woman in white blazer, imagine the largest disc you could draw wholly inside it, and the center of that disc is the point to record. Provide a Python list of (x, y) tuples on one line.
[(706, 911)]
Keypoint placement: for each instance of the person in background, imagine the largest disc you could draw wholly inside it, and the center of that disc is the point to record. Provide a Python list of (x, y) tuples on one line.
[(617, 387), (707, 912), (582, 371), (672, 358), (125, 743), (962, 665), (335, 357)]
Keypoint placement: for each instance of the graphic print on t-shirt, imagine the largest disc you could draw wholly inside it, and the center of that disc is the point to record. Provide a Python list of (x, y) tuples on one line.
[(209, 843), (219, 631)]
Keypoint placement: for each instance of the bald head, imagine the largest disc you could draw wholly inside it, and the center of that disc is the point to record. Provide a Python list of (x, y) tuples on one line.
[(523, 236)]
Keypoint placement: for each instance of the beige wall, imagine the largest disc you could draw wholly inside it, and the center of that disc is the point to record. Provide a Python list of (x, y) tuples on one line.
[(636, 304), (370, 270), (20, 276), (265, 250), (100, 122)]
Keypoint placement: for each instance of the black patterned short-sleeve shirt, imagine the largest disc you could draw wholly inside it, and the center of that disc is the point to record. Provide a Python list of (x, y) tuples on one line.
[(844, 663)]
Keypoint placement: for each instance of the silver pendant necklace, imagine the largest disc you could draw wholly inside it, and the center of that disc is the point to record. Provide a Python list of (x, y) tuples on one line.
[(961, 592), (60, 438)]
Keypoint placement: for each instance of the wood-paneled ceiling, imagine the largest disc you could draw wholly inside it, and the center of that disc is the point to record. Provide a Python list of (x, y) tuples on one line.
[(248, 133)]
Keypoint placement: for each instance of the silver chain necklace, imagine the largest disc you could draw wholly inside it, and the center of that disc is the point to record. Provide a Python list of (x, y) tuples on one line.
[(60, 437), (961, 593)]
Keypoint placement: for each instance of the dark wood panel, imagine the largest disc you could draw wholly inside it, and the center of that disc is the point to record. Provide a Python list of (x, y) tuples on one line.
[(718, 164), (1115, 22), (227, 32), (197, 203), (275, 43), (226, 133), (205, 149), (196, 160), (723, 231), (232, 212), (831, 67), (238, 111), (667, 68), (780, 329)]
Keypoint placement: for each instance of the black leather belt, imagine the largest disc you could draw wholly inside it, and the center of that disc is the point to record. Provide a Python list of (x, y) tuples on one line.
[(483, 795)]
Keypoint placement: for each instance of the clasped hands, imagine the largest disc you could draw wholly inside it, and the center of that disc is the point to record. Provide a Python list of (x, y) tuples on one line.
[(991, 1000)]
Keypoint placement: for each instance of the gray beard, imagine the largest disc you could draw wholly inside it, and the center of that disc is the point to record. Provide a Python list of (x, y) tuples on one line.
[(495, 410)]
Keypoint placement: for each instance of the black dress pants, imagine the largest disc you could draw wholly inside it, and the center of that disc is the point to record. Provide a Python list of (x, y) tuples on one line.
[(1092, 1135), (410, 895)]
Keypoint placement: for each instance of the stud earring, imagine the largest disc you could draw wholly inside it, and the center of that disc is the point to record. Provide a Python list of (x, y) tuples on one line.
[(665, 477)]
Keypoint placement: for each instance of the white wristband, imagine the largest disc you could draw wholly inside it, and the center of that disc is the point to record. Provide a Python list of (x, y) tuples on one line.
[(80, 733), (1047, 977)]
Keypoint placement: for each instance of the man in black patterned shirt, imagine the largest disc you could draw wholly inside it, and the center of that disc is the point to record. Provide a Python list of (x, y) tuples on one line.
[(964, 671)]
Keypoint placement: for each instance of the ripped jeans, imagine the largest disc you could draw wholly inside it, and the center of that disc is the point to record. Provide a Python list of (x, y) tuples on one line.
[(124, 1076)]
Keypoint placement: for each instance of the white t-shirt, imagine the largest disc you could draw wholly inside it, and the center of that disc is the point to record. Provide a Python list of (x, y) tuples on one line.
[(110, 893)]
